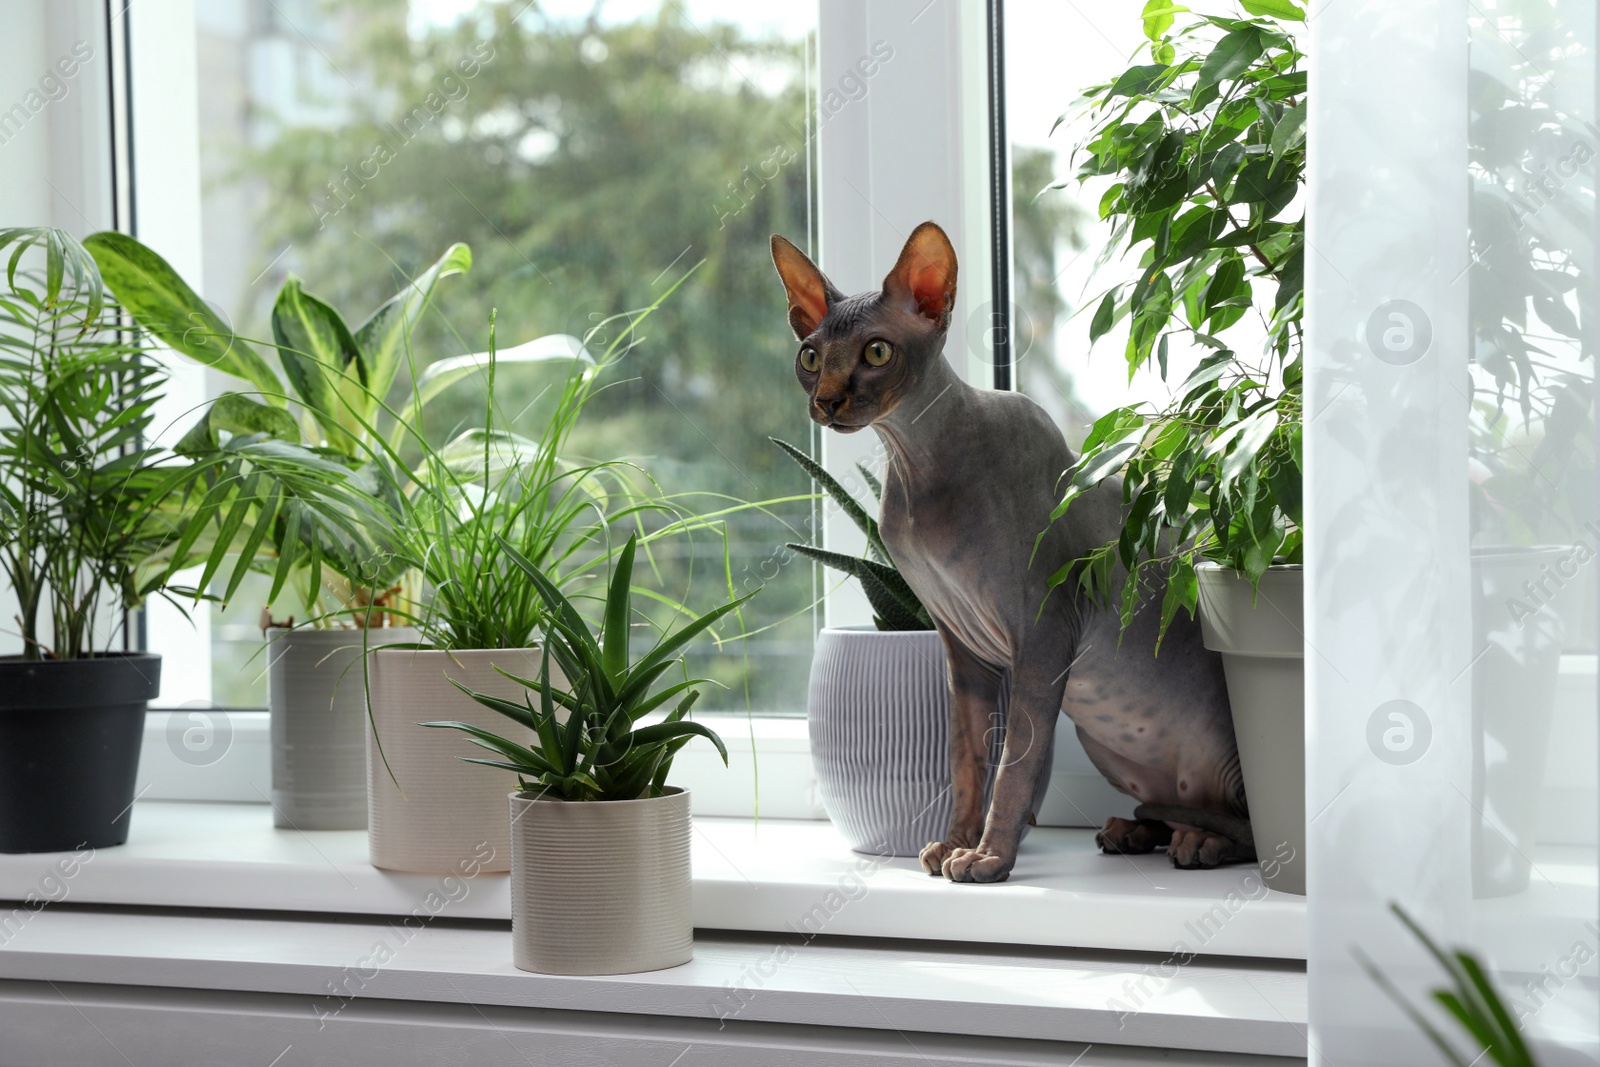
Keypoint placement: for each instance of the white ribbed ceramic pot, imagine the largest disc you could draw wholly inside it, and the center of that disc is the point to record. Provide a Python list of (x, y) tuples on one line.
[(444, 811), (879, 718), (316, 699), (601, 887)]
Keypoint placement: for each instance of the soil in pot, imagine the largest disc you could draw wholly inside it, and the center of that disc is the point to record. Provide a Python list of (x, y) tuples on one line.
[(70, 732), (601, 887)]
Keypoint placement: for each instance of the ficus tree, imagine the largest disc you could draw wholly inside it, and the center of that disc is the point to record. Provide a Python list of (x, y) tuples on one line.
[(1205, 144)]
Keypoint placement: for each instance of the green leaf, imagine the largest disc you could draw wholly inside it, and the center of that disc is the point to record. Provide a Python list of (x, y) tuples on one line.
[(1231, 56), (161, 302), (382, 339), (669, 731), (1157, 17), (1108, 459), (1290, 131), (1183, 591), (319, 355), (441, 374), (847, 503), (1104, 317), (614, 642), (1137, 81), (1287, 10), (240, 416), (1251, 434)]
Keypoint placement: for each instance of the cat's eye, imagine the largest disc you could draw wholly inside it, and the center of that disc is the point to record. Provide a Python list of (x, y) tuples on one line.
[(809, 360), (877, 353)]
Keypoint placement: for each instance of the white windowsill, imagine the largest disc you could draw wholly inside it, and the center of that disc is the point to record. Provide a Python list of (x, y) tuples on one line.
[(773, 877)]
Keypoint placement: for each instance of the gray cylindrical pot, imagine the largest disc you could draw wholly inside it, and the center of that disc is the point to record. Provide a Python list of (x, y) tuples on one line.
[(1260, 636), (438, 812), (601, 887), (316, 696), (879, 720)]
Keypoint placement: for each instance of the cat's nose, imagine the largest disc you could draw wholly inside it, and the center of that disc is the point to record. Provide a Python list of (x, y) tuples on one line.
[(828, 405)]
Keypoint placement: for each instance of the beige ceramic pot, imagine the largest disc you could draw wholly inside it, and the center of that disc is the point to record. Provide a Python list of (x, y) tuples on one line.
[(600, 887), (438, 812), (316, 694)]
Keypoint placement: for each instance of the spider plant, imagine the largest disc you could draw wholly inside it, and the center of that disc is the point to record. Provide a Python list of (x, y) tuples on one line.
[(591, 743)]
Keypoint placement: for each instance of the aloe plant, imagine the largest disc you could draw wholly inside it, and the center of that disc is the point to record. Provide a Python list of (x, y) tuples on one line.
[(590, 743), (894, 605)]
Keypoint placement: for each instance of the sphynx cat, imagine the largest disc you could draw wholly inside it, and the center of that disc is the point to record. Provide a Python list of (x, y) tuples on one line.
[(970, 481)]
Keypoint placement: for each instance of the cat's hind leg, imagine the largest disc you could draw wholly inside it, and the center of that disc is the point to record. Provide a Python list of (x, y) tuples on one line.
[(1202, 838), (1132, 837), (1192, 850)]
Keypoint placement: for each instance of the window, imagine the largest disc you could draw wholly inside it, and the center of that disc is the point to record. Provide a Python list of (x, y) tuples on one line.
[(590, 156)]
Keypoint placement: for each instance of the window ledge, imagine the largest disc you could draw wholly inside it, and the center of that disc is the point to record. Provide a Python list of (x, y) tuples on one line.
[(772, 876), (335, 972)]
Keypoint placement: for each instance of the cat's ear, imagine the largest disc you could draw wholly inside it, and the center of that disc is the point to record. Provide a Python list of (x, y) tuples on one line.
[(810, 292), (925, 275)]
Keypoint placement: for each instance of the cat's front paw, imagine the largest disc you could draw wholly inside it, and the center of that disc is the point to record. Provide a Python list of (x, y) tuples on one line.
[(977, 865), (933, 856)]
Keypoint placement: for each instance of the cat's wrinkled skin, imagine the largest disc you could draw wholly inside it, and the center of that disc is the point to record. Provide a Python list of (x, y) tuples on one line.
[(969, 483)]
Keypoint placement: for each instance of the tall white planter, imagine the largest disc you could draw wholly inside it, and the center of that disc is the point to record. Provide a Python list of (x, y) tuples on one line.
[(601, 887), (438, 811), (879, 720), (1516, 650), (316, 698), (1260, 634)]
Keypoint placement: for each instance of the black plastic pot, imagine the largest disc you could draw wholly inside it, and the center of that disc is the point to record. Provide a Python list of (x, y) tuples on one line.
[(70, 732)]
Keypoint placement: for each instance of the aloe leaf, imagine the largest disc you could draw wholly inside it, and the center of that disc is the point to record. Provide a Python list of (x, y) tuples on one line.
[(614, 649)]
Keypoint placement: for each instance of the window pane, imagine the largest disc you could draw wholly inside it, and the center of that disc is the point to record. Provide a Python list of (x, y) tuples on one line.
[(589, 155), (1053, 52)]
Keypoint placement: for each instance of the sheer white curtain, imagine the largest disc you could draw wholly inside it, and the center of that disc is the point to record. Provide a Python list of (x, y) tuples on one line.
[(1451, 515)]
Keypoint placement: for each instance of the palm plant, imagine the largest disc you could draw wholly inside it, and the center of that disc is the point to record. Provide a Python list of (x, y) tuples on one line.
[(95, 517), (590, 742), (894, 605)]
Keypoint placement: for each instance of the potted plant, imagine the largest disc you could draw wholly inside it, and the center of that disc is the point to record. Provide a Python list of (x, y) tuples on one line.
[(337, 378), (475, 507), (600, 875), (1207, 146), (345, 590), (878, 705), (96, 520)]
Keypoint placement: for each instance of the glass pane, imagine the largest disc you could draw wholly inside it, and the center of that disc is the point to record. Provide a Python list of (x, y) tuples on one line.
[(590, 155), (1053, 51)]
